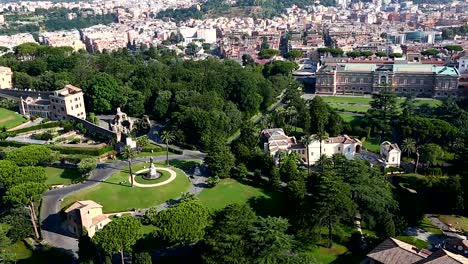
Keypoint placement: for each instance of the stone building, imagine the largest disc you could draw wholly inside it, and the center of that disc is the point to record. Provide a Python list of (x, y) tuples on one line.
[(420, 80), (60, 104), (85, 216), (390, 154), (5, 77)]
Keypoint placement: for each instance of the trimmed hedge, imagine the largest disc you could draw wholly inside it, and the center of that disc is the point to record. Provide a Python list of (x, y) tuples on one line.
[(40, 126), (64, 150)]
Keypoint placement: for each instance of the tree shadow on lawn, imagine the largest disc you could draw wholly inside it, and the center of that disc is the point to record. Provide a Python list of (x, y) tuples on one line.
[(125, 184), (267, 206), (188, 166)]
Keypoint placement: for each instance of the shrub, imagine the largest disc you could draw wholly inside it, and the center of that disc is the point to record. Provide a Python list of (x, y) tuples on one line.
[(212, 181)]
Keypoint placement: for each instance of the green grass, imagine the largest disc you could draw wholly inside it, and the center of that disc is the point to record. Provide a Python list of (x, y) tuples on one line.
[(347, 99), (371, 144), (165, 175), (116, 197), (153, 154), (350, 108), (336, 254), (458, 222), (147, 229), (56, 176), (413, 241), (230, 191), (20, 250), (351, 119), (427, 225), (10, 119)]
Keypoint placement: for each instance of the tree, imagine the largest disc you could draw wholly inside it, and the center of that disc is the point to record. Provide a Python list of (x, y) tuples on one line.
[(181, 224), (395, 55), (219, 159), (320, 136), (103, 93), (332, 202), (307, 140), (25, 194), (247, 60), (380, 54), (142, 258), (87, 251), (87, 165), (353, 54), (167, 137), (384, 107), (431, 154), (161, 105), (366, 53), (409, 146), (31, 155), (129, 154), (18, 217), (293, 54), (225, 239), (119, 235), (430, 52), (93, 118), (454, 48)]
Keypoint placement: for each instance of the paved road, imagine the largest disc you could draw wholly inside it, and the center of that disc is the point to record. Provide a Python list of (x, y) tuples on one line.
[(55, 235)]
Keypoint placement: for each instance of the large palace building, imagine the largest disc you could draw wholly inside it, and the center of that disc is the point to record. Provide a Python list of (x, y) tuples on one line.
[(420, 80)]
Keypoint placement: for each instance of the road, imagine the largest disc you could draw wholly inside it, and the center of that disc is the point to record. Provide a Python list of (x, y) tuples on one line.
[(52, 232)]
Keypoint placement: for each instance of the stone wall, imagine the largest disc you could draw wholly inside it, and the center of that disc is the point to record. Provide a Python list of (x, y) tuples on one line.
[(94, 128), (22, 93)]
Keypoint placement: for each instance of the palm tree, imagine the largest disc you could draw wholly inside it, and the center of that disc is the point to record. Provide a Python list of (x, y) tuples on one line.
[(128, 154), (320, 136), (167, 136), (409, 146), (307, 140)]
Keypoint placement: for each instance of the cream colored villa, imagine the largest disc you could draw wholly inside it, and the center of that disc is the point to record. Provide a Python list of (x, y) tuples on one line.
[(390, 154), (277, 140), (62, 103), (85, 216)]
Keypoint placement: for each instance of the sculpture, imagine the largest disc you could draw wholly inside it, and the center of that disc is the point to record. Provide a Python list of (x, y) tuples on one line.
[(152, 173), (121, 124)]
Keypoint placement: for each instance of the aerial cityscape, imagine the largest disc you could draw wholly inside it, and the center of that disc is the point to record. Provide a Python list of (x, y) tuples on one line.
[(234, 131)]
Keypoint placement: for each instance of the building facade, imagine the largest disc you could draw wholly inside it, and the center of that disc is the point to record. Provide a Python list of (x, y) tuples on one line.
[(420, 80), (85, 217), (6, 76), (277, 141), (60, 104), (390, 154)]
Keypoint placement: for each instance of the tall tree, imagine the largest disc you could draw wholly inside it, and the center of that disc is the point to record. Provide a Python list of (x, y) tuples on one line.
[(119, 235), (409, 146), (307, 140), (383, 109), (129, 154), (167, 137), (25, 194), (219, 159), (87, 165)]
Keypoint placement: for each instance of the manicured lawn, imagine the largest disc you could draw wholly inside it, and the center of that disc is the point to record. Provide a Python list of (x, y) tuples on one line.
[(413, 241), (116, 195), (165, 175), (347, 99), (147, 229), (371, 144), (230, 191), (20, 250), (10, 119), (458, 222), (336, 254), (348, 118), (350, 108), (427, 225), (153, 154), (56, 176)]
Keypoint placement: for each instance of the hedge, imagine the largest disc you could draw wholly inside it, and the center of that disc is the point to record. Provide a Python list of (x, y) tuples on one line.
[(40, 126), (64, 150)]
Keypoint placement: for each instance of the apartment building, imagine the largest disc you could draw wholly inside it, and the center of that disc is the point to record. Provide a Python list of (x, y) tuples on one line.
[(58, 106), (421, 80)]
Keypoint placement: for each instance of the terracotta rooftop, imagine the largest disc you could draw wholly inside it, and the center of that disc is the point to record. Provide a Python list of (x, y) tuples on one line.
[(80, 205), (394, 251), (444, 257), (345, 139)]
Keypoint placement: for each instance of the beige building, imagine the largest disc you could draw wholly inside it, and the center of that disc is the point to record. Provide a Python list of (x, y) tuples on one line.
[(5, 78), (421, 80), (277, 141), (60, 104), (390, 154), (85, 216)]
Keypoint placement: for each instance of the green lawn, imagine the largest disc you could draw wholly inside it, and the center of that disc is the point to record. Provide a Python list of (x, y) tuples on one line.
[(336, 254), (371, 144), (413, 241), (350, 108), (351, 119), (458, 222), (165, 175), (230, 191), (10, 119), (20, 250), (56, 176), (147, 229), (427, 225), (347, 99), (117, 197), (153, 154)]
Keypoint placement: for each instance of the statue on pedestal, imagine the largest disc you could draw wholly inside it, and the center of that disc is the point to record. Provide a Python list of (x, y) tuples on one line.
[(152, 173)]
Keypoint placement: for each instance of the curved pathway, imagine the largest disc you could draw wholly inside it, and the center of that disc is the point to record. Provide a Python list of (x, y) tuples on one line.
[(57, 236), (141, 185)]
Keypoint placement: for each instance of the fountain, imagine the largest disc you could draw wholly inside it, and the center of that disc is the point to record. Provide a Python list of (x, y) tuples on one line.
[(152, 173)]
